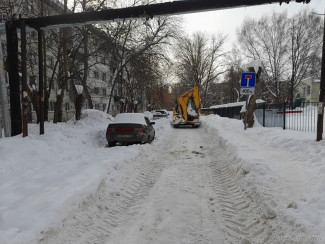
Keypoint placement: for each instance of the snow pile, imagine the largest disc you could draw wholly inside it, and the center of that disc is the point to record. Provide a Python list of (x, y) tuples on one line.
[(43, 177), (136, 118), (283, 169)]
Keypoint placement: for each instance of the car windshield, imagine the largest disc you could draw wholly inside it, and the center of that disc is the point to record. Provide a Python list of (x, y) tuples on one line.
[(129, 118)]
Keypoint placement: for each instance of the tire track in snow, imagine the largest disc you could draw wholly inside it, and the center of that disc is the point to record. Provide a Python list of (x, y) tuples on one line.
[(243, 219), (103, 214), (99, 214), (247, 215), (198, 166), (182, 190)]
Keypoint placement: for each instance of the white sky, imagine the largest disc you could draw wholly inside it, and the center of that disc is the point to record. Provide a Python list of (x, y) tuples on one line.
[(227, 21)]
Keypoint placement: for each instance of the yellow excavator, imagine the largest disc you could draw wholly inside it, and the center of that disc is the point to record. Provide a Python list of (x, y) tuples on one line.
[(187, 111)]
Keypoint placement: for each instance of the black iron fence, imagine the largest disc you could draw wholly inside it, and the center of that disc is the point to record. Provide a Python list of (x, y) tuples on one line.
[(284, 115), (288, 116)]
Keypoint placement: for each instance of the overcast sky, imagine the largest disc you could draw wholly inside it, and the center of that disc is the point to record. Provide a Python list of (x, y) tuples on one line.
[(227, 21)]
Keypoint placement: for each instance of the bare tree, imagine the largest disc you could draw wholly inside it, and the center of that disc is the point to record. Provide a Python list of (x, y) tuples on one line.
[(305, 33), (232, 80), (199, 62), (288, 47), (266, 39), (134, 38)]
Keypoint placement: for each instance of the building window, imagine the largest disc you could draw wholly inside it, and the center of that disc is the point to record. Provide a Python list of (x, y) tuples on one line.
[(97, 106), (49, 82), (96, 90), (104, 91), (32, 82), (51, 62), (51, 106), (96, 74), (4, 17), (308, 90), (31, 8), (67, 106), (104, 76)]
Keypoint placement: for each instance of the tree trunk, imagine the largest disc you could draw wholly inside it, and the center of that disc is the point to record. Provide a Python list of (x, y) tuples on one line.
[(59, 97), (64, 81), (58, 108), (34, 96), (252, 101), (86, 69), (78, 105)]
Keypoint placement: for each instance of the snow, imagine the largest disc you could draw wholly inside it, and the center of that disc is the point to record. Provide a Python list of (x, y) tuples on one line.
[(235, 104), (79, 89), (256, 64), (43, 178), (133, 118)]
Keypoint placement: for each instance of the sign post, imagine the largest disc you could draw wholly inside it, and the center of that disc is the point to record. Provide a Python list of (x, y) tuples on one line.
[(247, 87)]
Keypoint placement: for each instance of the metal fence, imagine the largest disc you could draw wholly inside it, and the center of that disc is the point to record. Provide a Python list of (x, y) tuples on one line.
[(288, 116), (284, 115)]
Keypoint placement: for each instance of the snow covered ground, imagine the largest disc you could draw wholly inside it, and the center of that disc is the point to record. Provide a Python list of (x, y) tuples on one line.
[(43, 179)]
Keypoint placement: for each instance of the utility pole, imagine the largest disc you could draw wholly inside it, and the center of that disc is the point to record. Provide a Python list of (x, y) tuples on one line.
[(320, 117)]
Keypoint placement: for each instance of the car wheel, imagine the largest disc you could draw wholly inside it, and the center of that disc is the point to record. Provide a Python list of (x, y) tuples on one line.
[(111, 143)]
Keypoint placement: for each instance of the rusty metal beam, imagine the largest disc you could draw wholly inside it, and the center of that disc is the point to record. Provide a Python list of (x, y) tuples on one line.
[(12, 66), (23, 44), (144, 11)]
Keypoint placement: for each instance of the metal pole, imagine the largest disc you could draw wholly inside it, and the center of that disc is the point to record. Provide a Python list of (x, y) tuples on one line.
[(284, 115), (12, 62), (264, 107), (24, 77), (246, 112), (40, 84), (320, 116)]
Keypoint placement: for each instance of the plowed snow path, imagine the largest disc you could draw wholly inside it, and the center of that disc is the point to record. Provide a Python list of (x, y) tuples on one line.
[(184, 190)]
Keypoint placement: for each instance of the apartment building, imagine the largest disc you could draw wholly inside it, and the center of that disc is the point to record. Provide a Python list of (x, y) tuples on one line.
[(98, 73), (308, 89)]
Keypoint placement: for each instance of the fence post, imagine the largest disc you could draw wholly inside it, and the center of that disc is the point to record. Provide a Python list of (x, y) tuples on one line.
[(284, 115)]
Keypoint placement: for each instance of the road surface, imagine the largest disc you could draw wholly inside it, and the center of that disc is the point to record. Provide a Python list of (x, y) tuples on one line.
[(182, 189)]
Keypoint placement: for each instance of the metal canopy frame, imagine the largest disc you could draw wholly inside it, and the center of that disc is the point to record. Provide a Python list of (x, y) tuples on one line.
[(92, 17)]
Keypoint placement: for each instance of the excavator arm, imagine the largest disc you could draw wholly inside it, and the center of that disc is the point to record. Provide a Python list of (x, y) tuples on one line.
[(187, 110)]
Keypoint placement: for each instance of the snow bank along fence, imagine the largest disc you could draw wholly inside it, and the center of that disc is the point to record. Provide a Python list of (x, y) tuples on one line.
[(301, 117)]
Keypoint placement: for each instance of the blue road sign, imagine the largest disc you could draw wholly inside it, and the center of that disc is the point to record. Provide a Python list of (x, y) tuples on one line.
[(248, 79)]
